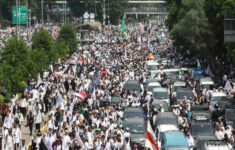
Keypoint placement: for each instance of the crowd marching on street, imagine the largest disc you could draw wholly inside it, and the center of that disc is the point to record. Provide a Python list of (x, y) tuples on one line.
[(73, 98)]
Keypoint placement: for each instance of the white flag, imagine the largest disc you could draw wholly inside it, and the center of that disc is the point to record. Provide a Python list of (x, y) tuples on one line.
[(228, 86), (39, 80), (198, 64), (60, 99)]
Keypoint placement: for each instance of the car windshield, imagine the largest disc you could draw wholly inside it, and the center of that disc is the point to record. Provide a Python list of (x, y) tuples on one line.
[(177, 148), (202, 129), (218, 98), (153, 67), (181, 94), (157, 106), (160, 95), (136, 128), (132, 87), (150, 88), (133, 115)]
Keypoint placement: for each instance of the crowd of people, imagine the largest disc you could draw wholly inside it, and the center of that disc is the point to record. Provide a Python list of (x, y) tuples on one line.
[(69, 97)]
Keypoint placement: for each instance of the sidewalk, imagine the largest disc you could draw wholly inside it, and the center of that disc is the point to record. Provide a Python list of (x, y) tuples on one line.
[(25, 130)]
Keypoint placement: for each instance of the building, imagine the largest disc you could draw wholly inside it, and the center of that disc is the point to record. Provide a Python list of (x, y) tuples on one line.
[(146, 7), (229, 27), (57, 11)]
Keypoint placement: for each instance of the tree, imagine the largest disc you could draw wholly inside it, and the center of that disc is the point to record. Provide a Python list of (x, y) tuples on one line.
[(193, 30), (42, 40), (68, 35), (79, 7), (15, 65), (116, 10)]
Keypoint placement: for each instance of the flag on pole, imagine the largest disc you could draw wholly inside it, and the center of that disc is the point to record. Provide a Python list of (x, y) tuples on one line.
[(60, 100), (150, 138), (39, 80), (123, 24)]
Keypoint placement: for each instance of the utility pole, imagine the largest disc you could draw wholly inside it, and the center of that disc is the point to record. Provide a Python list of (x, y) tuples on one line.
[(17, 18), (104, 15), (42, 11)]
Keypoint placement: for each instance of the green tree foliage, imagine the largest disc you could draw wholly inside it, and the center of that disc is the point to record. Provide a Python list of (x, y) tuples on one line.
[(15, 65), (42, 40), (199, 25), (68, 35), (79, 7)]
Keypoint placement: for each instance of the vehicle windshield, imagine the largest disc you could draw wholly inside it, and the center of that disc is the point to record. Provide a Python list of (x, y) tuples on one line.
[(160, 95), (131, 87), (177, 148), (136, 128), (202, 129), (181, 94), (157, 106), (218, 98), (153, 67), (150, 88), (133, 115)]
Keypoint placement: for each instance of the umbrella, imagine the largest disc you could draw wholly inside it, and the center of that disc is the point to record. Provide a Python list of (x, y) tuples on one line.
[(150, 57), (82, 95), (103, 72), (93, 48)]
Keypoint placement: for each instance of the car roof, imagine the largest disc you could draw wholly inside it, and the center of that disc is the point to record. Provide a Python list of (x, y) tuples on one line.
[(175, 138), (154, 84), (135, 121), (166, 118), (134, 109), (132, 82), (215, 94), (168, 127), (160, 89), (153, 63), (179, 83), (183, 90)]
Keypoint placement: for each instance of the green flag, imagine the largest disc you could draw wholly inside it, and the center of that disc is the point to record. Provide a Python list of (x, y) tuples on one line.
[(123, 25)]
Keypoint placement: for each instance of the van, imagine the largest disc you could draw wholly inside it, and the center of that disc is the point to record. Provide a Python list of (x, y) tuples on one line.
[(174, 140)]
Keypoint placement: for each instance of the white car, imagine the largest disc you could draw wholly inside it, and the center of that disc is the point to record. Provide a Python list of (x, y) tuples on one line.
[(206, 82), (161, 94), (152, 85)]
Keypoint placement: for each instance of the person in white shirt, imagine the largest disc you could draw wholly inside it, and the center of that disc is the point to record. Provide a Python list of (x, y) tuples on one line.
[(37, 119), (22, 146), (66, 141), (219, 133), (17, 135), (8, 121), (9, 141), (23, 106), (49, 140)]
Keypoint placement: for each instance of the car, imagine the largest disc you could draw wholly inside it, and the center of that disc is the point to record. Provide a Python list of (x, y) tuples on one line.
[(137, 127), (156, 104), (152, 65), (216, 145), (229, 117), (181, 93), (201, 128), (206, 82), (161, 129), (152, 85), (161, 94), (201, 113), (201, 141), (178, 84), (174, 140), (217, 96), (165, 118), (226, 102), (133, 112), (132, 85)]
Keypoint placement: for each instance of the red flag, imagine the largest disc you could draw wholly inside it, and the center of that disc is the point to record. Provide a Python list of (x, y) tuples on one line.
[(149, 141), (82, 60)]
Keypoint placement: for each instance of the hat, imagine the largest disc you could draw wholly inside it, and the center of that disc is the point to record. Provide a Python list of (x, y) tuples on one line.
[(127, 129)]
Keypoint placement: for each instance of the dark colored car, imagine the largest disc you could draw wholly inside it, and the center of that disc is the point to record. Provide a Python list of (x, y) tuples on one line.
[(132, 85), (133, 112), (182, 92)]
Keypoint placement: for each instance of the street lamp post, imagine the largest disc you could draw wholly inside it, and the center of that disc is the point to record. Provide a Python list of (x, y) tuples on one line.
[(42, 11), (104, 15)]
